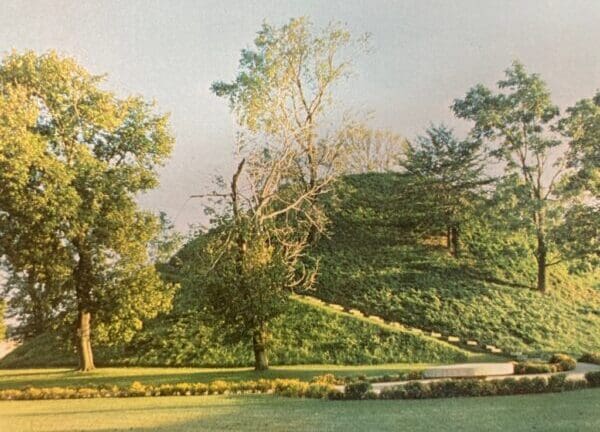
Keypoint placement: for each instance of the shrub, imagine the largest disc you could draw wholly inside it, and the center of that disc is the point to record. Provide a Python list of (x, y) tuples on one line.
[(464, 387), (414, 375), (395, 392), (556, 383), (218, 387), (137, 389), (357, 390), (593, 357), (523, 368), (593, 378), (416, 390), (199, 389), (563, 362), (575, 385), (327, 379), (319, 391)]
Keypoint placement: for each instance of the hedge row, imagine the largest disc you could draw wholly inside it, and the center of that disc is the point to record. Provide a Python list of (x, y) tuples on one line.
[(557, 363), (593, 357), (317, 388), (320, 388), (469, 387)]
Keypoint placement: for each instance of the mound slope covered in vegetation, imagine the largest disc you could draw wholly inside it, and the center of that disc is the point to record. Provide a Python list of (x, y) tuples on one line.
[(305, 334), (374, 260)]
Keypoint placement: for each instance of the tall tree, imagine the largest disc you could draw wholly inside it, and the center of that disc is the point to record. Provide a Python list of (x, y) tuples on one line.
[(580, 235), (73, 157), (252, 260), (284, 91), (449, 176), (519, 122)]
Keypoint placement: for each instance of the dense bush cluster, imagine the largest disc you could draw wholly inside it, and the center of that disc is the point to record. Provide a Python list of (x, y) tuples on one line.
[(557, 363), (593, 357)]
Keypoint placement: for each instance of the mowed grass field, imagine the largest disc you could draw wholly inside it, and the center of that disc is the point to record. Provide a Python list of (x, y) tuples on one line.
[(572, 411)]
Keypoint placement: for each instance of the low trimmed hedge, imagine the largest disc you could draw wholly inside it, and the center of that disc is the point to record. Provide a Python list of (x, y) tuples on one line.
[(593, 357), (593, 378), (402, 376), (524, 368), (475, 387), (320, 388), (284, 387), (557, 363), (563, 362)]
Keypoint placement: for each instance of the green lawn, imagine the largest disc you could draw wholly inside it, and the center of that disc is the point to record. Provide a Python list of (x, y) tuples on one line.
[(17, 378), (572, 411)]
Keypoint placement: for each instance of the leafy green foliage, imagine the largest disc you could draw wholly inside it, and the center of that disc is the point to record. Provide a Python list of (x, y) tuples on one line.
[(593, 378), (372, 263), (357, 390), (448, 182), (475, 388), (73, 157), (592, 357), (517, 122), (563, 362), (524, 368)]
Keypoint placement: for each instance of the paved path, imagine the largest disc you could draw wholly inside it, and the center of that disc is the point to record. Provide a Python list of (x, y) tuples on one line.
[(575, 374)]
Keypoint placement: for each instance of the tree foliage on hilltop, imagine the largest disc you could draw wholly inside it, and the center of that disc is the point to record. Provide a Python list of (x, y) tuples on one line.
[(448, 180), (520, 124)]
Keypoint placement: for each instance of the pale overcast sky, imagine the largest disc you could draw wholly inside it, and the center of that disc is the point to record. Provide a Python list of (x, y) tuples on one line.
[(426, 53)]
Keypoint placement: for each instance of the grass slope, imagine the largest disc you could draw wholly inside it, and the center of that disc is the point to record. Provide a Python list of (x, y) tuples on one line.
[(571, 411), (305, 334), (371, 263)]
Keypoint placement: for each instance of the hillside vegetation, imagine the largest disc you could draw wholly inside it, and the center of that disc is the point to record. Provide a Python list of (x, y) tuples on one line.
[(305, 334), (374, 261), (377, 261)]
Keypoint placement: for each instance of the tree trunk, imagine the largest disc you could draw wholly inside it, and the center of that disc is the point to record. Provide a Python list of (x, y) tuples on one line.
[(84, 282), (84, 347), (541, 262), (261, 362), (455, 241), (449, 238)]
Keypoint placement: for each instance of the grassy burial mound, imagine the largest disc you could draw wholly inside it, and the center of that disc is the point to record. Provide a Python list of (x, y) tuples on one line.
[(377, 260), (306, 334)]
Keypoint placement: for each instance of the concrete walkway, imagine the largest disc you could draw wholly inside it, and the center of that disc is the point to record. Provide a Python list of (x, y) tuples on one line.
[(575, 374)]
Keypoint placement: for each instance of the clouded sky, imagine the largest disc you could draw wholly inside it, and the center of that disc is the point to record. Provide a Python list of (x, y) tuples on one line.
[(426, 53)]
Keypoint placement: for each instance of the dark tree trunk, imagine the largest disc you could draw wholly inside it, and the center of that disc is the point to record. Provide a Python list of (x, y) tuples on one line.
[(84, 283), (261, 361), (541, 262), (84, 347), (455, 241)]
